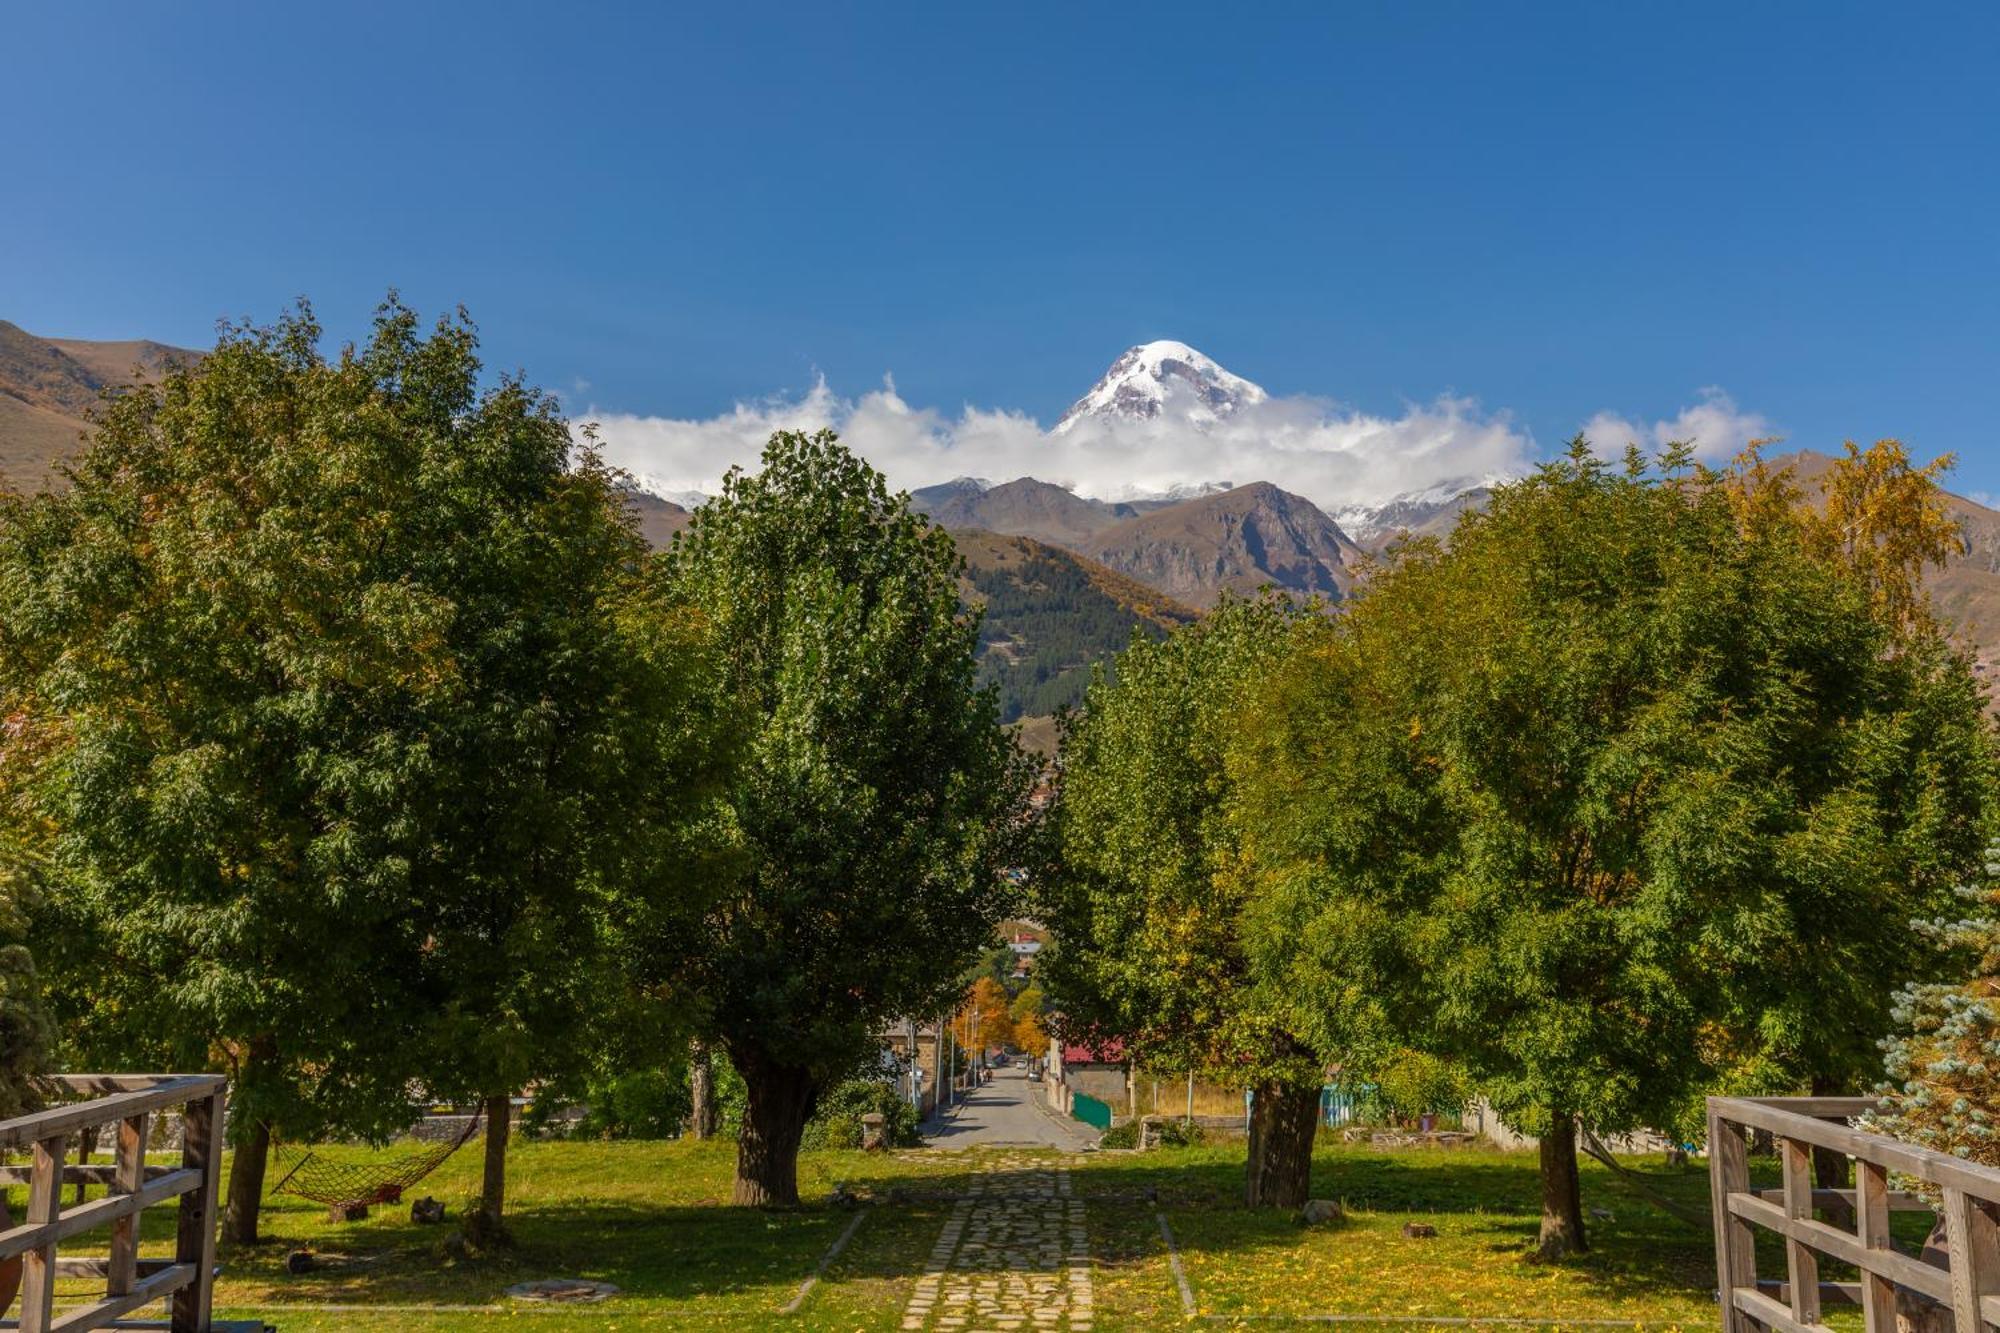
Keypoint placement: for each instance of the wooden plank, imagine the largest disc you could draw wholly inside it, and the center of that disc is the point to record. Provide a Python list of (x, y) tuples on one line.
[(1735, 1246), (28, 1129), (98, 1212), (1975, 1258), (1838, 1293), (1801, 1264), (200, 1210), (97, 1173), (99, 1266), (157, 1287), (1822, 1108), (1842, 1245), (38, 1265), (99, 1085), (1754, 1303), (1900, 1201), (1878, 1293), (131, 1178)]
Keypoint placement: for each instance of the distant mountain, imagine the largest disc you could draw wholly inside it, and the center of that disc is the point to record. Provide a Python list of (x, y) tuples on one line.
[(48, 386), (1050, 616), (659, 519), (1236, 541), (1431, 513), (1161, 378), (1021, 508)]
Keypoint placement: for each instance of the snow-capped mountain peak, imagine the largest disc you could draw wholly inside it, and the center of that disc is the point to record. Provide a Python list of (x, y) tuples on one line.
[(1163, 378)]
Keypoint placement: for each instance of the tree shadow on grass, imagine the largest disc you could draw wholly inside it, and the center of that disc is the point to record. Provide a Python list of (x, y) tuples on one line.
[(707, 1255)]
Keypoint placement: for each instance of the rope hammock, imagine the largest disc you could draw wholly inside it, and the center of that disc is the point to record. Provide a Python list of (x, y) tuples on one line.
[(358, 1184)]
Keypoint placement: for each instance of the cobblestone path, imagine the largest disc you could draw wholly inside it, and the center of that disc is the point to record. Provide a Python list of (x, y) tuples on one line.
[(1014, 1254)]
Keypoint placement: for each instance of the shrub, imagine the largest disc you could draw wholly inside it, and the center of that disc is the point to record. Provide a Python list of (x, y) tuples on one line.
[(636, 1104), (1165, 1134), (1121, 1136), (838, 1124)]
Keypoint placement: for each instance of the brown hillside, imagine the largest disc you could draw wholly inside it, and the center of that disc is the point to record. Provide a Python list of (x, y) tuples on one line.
[(116, 362), (659, 519), (48, 387)]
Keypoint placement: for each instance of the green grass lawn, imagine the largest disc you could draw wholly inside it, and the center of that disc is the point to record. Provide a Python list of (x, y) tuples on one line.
[(651, 1218)]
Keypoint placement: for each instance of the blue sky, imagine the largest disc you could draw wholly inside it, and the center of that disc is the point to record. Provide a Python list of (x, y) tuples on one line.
[(1557, 211)]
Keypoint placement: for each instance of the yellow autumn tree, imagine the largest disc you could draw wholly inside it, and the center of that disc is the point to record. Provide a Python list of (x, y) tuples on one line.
[(989, 1000), (1029, 1034), (1888, 520)]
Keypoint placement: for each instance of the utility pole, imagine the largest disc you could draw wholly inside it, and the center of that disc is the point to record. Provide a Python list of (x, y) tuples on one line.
[(943, 1083)]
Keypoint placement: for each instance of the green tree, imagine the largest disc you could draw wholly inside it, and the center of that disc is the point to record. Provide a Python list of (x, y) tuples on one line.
[(1151, 892), (1571, 797), (24, 1029), (328, 652), (878, 798), (1813, 1027)]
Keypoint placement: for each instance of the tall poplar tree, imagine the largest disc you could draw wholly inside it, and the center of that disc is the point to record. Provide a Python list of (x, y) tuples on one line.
[(1150, 896), (878, 798)]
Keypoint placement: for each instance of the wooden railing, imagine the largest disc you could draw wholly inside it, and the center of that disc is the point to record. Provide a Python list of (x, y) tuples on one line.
[(1855, 1229), (130, 1102)]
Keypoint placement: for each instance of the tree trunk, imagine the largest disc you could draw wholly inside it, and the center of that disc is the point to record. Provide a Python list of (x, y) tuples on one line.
[(702, 1114), (246, 1185), (1830, 1165), (1562, 1195), (779, 1101), (86, 1144), (493, 1184), (1284, 1118)]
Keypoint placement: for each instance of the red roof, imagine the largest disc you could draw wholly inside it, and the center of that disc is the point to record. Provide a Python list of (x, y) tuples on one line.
[(1110, 1051)]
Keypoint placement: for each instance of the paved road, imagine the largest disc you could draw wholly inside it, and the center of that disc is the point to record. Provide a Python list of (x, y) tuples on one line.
[(1009, 1110)]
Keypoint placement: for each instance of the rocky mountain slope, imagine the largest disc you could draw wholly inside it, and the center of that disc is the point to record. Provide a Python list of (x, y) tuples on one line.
[(1234, 541), (1238, 539), (659, 519)]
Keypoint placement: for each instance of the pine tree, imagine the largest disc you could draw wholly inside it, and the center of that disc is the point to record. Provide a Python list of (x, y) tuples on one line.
[(1943, 1065)]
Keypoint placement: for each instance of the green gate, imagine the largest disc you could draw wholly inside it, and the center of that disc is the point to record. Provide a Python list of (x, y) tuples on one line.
[(1089, 1110)]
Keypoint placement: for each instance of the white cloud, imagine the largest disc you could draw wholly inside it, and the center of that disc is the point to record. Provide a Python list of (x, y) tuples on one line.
[(1715, 426), (1339, 458), (1331, 455)]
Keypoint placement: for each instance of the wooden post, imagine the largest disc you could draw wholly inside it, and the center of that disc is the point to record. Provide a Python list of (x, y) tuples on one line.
[(1801, 1264), (1878, 1293), (1975, 1257), (1735, 1247), (38, 1266), (128, 1176), (195, 1236)]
